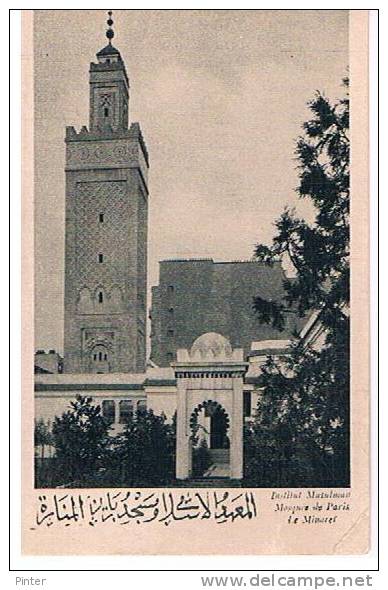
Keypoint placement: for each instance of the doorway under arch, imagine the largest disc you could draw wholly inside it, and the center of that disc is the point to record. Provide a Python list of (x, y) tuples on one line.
[(209, 424)]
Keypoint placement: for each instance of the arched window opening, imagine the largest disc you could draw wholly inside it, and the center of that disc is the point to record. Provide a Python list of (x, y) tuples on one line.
[(126, 410), (100, 297), (109, 411), (99, 359), (142, 406), (106, 112)]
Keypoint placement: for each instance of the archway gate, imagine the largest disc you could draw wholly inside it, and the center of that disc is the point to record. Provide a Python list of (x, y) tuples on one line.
[(210, 371), (218, 426)]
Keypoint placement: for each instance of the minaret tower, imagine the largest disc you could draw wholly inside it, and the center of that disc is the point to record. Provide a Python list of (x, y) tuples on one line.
[(106, 228)]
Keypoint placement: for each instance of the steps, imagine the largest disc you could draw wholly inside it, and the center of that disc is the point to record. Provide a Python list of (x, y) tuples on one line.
[(210, 482), (217, 470), (220, 466), (219, 456)]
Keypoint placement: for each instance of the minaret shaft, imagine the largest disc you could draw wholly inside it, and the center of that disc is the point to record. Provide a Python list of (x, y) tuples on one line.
[(106, 230)]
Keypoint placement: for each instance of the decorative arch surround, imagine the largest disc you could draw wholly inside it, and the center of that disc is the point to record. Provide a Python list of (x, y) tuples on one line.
[(211, 406), (115, 300), (99, 351), (215, 427), (84, 301), (210, 376), (100, 300), (99, 341), (100, 358)]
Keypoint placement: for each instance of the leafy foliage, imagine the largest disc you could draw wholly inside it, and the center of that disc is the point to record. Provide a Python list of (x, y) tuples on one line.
[(144, 454), (86, 455), (81, 441), (319, 252), (301, 434), (42, 435)]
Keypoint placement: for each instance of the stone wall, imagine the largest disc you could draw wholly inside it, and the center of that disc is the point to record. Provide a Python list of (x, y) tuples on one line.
[(106, 216), (198, 296)]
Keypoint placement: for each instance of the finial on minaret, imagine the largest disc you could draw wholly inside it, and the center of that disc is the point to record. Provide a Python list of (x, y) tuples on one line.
[(110, 32)]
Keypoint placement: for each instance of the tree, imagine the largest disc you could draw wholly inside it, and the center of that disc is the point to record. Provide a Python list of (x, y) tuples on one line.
[(305, 402), (144, 454), (80, 438), (42, 436)]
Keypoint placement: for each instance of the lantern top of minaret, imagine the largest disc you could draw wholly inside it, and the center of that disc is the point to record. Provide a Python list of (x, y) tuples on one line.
[(109, 49)]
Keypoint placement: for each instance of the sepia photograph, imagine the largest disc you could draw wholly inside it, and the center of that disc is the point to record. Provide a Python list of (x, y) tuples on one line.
[(195, 283), (192, 196)]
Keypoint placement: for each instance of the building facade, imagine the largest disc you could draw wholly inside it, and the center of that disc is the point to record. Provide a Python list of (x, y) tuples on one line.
[(48, 362), (199, 296), (210, 387), (106, 230)]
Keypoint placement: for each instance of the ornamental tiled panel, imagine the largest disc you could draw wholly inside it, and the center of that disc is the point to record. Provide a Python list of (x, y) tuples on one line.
[(109, 238)]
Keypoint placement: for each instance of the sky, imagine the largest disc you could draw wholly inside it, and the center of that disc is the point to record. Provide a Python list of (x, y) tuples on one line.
[(220, 96)]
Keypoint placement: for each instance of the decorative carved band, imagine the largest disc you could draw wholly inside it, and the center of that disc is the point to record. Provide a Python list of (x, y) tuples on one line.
[(119, 152), (115, 153), (208, 374)]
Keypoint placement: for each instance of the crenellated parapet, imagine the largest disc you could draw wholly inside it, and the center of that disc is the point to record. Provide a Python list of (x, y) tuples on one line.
[(96, 68), (134, 132)]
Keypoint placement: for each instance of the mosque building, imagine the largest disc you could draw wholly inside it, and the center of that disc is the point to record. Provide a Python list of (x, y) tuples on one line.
[(207, 347)]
